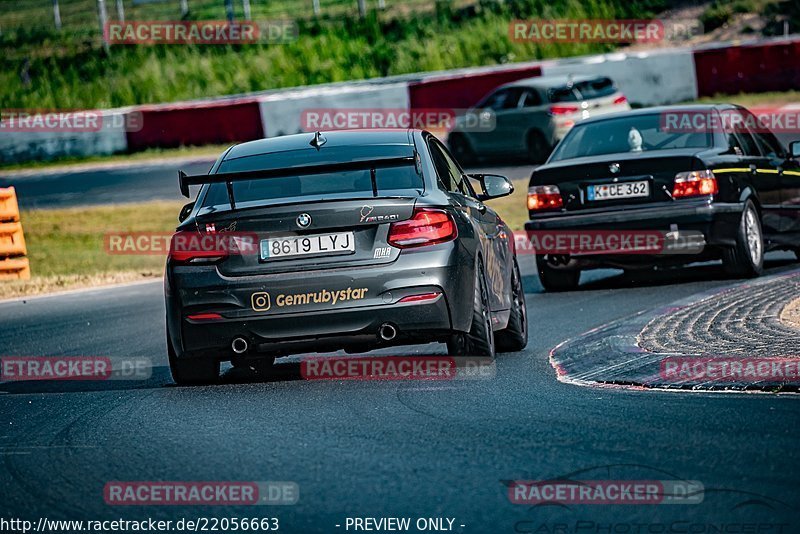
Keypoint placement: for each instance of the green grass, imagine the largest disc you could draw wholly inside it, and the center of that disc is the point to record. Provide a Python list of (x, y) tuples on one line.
[(756, 99), (513, 208), (70, 241), (66, 247), (71, 69)]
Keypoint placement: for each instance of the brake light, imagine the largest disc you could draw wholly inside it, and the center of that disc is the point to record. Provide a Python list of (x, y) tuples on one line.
[(204, 317), (620, 99), (563, 110), (425, 227), (422, 297), (694, 183), (544, 197), (196, 247)]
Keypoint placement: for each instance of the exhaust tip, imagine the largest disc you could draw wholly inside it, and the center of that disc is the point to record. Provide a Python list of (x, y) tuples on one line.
[(387, 332), (239, 345)]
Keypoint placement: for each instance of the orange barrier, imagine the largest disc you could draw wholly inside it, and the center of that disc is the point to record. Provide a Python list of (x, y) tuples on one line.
[(9, 209), (13, 263)]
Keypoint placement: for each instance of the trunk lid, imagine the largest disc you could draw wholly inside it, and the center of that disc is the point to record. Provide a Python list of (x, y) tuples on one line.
[(578, 179), (309, 233)]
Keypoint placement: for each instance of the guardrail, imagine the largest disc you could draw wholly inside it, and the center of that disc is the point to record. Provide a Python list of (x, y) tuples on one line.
[(13, 262)]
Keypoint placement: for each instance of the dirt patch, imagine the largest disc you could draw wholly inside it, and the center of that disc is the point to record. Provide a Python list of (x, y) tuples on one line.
[(791, 314)]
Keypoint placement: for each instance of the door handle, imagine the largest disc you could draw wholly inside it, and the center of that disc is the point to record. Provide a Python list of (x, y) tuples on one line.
[(753, 169)]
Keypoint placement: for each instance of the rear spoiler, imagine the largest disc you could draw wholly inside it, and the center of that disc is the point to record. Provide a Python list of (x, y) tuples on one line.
[(184, 180)]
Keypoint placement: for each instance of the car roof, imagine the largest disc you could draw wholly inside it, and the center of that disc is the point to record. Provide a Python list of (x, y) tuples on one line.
[(334, 140), (546, 82), (693, 108)]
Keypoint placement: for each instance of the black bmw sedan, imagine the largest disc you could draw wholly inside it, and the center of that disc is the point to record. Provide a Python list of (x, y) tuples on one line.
[(713, 172)]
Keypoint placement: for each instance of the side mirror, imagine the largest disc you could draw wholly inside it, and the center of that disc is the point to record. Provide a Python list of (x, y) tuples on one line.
[(493, 186), (794, 150), (185, 211)]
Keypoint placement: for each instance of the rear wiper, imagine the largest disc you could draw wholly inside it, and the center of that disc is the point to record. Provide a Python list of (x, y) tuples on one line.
[(374, 182)]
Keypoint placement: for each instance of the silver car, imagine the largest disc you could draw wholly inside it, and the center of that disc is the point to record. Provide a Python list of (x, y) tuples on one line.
[(532, 115)]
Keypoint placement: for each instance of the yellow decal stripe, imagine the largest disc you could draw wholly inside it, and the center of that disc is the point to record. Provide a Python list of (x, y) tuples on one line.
[(718, 171)]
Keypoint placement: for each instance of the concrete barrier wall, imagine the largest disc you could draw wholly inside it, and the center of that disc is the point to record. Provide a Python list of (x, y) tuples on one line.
[(750, 68), (465, 88), (646, 78), (281, 112), (20, 146), (214, 122)]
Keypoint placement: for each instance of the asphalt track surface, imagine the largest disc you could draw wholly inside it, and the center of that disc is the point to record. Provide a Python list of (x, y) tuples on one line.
[(390, 448), (379, 449)]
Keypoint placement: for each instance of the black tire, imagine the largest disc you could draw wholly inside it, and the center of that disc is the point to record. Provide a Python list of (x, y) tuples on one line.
[(479, 341), (191, 371), (514, 337), (556, 280), (461, 149), (746, 258), (537, 146)]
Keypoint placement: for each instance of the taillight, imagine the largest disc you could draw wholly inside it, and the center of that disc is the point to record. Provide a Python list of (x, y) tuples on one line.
[(563, 110), (195, 247), (425, 227), (694, 183), (544, 197), (620, 99)]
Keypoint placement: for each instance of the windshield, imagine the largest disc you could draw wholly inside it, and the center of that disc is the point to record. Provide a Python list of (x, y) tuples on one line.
[(638, 133), (389, 181), (587, 90)]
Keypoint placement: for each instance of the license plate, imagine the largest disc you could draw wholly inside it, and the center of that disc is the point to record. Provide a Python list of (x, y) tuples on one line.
[(619, 190), (309, 245)]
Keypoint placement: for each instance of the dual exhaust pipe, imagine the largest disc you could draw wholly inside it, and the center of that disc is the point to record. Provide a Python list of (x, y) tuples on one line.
[(386, 332)]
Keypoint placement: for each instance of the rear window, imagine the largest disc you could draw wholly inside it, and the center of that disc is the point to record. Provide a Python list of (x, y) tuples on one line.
[(587, 90), (390, 181), (637, 133)]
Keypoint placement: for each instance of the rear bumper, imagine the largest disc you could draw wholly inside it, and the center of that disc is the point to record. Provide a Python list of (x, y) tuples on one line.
[(295, 312), (717, 221), (323, 331)]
